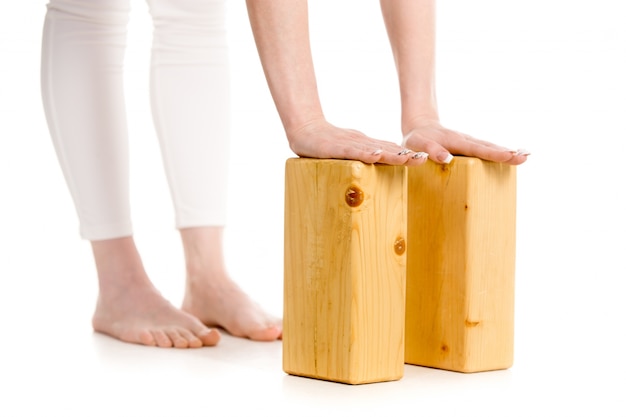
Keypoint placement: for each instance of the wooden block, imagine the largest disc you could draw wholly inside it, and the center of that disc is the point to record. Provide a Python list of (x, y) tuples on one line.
[(345, 270), (461, 265)]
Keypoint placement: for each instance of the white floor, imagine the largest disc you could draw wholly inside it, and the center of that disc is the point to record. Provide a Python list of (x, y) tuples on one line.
[(569, 355), (547, 76)]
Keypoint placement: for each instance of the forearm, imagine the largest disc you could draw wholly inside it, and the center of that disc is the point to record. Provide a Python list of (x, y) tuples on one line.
[(411, 30), (281, 33)]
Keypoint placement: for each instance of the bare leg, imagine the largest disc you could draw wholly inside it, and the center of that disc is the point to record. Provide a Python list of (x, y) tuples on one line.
[(82, 67), (190, 102), (213, 297), (130, 308)]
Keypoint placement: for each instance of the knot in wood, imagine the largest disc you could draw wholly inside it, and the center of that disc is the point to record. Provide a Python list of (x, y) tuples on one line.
[(399, 246), (354, 196)]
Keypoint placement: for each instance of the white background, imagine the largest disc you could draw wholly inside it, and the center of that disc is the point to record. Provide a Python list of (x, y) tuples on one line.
[(545, 75)]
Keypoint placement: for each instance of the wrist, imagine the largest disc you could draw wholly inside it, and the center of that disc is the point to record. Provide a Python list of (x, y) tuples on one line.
[(420, 119), (418, 108), (294, 128), (300, 115)]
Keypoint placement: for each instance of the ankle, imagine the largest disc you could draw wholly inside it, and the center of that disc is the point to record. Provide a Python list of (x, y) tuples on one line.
[(119, 267), (201, 280), (203, 252)]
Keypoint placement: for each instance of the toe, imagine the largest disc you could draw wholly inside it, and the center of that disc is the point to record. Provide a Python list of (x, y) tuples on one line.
[(161, 338), (146, 338), (265, 335), (209, 337), (177, 339), (192, 340)]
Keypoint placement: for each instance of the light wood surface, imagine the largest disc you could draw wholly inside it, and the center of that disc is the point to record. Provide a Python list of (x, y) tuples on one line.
[(461, 265), (345, 270)]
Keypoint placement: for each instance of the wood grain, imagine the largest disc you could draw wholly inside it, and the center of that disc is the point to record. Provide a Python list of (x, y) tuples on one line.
[(461, 265), (345, 270)]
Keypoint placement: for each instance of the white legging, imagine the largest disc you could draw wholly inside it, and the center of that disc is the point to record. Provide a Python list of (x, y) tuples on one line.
[(83, 93)]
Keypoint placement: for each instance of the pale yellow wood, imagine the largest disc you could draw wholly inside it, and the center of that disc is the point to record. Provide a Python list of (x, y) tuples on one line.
[(345, 270), (461, 265)]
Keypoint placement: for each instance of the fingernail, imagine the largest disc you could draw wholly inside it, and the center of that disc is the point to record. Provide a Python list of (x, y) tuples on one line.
[(445, 157), (418, 155), (377, 152), (404, 152), (522, 152)]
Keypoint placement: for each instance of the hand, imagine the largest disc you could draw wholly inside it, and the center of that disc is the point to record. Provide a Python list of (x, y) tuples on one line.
[(320, 139), (429, 136)]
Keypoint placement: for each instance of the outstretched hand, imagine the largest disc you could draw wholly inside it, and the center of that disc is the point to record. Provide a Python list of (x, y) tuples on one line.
[(320, 139), (440, 143)]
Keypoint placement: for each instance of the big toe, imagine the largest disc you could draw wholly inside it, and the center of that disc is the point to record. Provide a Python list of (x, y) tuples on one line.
[(210, 337), (266, 334)]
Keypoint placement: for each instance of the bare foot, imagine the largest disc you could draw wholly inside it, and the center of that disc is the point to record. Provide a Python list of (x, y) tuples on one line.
[(130, 309), (218, 301), (143, 316), (213, 297)]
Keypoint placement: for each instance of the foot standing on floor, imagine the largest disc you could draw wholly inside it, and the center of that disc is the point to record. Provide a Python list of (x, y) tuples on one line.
[(83, 95), (82, 87)]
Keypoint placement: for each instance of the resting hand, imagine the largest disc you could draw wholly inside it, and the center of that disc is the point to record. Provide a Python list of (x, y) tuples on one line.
[(439, 142), (320, 139)]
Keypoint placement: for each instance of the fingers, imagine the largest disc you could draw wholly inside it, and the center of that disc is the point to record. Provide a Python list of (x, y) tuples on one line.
[(320, 139), (428, 141), (441, 143), (489, 151), (403, 156), (435, 151), (392, 155), (330, 142)]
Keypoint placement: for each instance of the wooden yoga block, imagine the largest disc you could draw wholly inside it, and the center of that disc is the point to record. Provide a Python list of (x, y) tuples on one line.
[(345, 270), (461, 265)]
